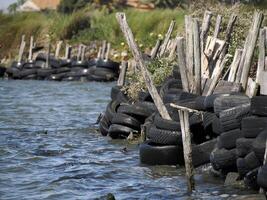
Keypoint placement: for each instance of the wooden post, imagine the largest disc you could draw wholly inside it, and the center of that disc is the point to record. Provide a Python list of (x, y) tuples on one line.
[(47, 63), (59, 44), (189, 50), (181, 63), (166, 39), (228, 34), (155, 50), (234, 65), (139, 59), (99, 53), (30, 49), (250, 49), (79, 52), (121, 79), (173, 49), (21, 49), (261, 60), (107, 52), (205, 29), (104, 45), (197, 58), (83, 53), (217, 26)]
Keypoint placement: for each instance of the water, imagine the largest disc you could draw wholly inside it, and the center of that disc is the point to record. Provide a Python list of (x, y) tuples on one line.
[(49, 150)]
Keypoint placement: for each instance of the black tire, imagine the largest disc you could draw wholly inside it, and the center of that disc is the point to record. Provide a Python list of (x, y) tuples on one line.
[(231, 118), (250, 179), (168, 84), (227, 87), (28, 65), (165, 124), (223, 159), (259, 105), (209, 101), (72, 78), (108, 64), (45, 72), (165, 137), (175, 98), (115, 90), (63, 69), (144, 96), (243, 146), (27, 72), (39, 64), (2, 71), (217, 126), (259, 145), (117, 131), (228, 139), (244, 165), (92, 77), (154, 154), (111, 110), (30, 77), (262, 177), (126, 120), (200, 105), (201, 153), (208, 119), (226, 102), (83, 64), (252, 126), (104, 126), (134, 110)]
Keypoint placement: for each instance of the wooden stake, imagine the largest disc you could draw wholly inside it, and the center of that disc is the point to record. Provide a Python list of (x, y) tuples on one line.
[(107, 52), (121, 79), (217, 26), (234, 65), (250, 50), (99, 53), (104, 45), (205, 29), (155, 50), (139, 59), (59, 44), (47, 63), (197, 59), (21, 49), (167, 38), (30, 49), (79, 52), (181, 63), (173, 49), (189, 50), (83, 53), (187, 148), (261, 60)]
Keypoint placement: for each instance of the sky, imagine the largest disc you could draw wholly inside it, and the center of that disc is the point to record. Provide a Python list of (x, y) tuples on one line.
[(4, 3)]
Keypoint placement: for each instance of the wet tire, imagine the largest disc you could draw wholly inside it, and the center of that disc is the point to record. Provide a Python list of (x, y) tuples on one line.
[(227, 102), (154, 154), (231, 118), (228, 139), (135, 110), (244, 146), (259, 105), (111, 109), (116, 131), (164, 124), (126, 120), (252, 126), (200, 103), (164, 137), (223, 159), (104, 126), (45, 72), (262, 177)]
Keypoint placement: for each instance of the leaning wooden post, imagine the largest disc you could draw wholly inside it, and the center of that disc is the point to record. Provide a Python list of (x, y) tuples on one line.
[(139, 59), (205, 29), (121, 79), (21, 49), (166, 39), (234, 65), (155, 50), (187, 146), (197, 57), (30, 49), (251, 47), (261, 60), (59, 44), (181, 63), (217, 26), (107, 52)]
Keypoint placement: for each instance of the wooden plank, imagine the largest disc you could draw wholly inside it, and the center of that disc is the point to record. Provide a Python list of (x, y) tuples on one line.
[(30, 49), (228, 34), (187, 148), (173, 49), (227, 87), (155, 50), (139, 59), (250, 49), (79, 54), (197, 58), (108, 51), (104, 46), (261, 59), (99, 53), (59, 44), (185, 108), (166, 39), (47, 63), (252, 88), (83, 53), (21, 49), (205, 28), (217, 26), (68, 52), (189, 50), (234, 65), (121, 79), (181, 63)]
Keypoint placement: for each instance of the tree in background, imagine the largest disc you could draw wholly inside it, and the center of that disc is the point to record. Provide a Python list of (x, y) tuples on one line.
[(68, 6), (12, 8)]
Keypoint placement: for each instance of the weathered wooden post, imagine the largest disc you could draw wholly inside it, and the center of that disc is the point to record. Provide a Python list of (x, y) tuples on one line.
[(205, 29), (99, 53), (155, 50), (107, 52), (30, 49), (262, 48), (21, 49), (47, 63), (122, 76), (234, 65), (197, 57), (139, 59), (68, 52), (217, 26), (104, 46), (83, 53), (59, 44), (166, 39), (79, 52), (187, 147)]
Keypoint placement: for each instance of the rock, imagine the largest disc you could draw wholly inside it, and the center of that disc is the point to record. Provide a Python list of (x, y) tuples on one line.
[(232, 180), (250, 197), (110, 196)]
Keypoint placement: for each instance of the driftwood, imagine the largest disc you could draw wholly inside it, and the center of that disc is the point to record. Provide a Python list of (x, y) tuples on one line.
[(99, 53), (166, 39), (139, 59), (181, 63), (121, 79)]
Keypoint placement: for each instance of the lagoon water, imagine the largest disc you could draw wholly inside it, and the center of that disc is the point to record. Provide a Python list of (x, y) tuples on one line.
[(50, 149)]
